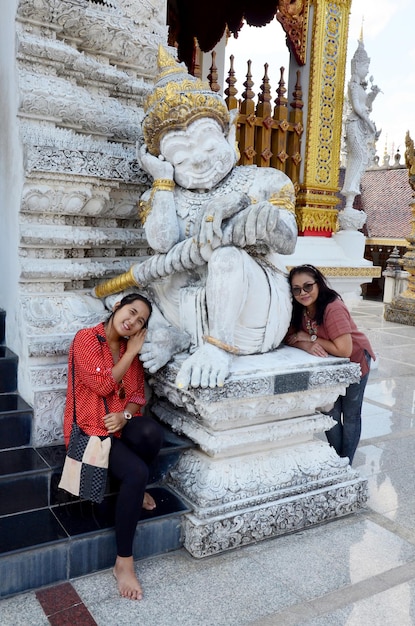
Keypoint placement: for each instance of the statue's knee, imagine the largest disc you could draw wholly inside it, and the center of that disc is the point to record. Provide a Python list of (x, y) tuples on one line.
[(225, 259)]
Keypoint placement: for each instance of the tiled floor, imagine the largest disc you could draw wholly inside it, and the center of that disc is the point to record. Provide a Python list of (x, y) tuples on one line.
[(355, 571)]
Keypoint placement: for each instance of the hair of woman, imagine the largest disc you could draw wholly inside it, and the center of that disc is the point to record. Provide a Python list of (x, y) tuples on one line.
[(325, 294)]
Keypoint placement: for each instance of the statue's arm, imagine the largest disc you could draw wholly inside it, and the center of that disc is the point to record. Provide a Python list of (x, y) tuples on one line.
[(162, 342), (358, 99), (161, 223)]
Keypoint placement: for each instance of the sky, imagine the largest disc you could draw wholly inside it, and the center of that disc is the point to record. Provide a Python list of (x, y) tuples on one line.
[(388, 34)]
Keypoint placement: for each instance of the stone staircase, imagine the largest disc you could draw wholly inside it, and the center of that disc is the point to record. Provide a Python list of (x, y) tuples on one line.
[(48, 536)]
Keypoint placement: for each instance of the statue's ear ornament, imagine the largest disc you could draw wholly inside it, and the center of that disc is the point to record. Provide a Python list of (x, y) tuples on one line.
[(178, 100)]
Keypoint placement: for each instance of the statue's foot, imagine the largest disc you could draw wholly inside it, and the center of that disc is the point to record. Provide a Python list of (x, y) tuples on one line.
[(207, 367)]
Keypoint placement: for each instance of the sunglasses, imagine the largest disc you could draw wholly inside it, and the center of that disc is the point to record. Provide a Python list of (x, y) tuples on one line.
[(307, 287)]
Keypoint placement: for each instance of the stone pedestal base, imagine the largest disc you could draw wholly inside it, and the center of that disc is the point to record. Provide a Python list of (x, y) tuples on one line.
[(261, 466), (401, 310)]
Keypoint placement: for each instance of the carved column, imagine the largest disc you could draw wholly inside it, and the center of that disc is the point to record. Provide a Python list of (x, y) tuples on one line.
[(324, 71)]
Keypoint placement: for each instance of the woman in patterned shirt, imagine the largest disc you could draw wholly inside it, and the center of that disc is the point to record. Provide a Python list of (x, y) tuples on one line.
[(106, 365), (321, 325)]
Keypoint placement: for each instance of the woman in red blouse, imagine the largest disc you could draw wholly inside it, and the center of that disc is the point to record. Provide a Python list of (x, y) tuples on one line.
[(106, 365), (321, 325)]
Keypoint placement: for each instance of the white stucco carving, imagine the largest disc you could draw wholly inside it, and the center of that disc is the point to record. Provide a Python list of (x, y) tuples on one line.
[(304, 510), (83, 70), (54, 99), (361, 137), (217, 486)]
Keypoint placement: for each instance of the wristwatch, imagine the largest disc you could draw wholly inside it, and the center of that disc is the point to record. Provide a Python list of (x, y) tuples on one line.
[(127, 415), (313, 337)]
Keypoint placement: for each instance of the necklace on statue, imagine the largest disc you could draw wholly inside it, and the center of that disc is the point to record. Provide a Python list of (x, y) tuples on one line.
[(311, 326)]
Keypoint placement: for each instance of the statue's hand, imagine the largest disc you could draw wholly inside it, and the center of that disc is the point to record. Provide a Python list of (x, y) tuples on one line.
[(208, 228), (156, 167), (256, 224), (160, 345)]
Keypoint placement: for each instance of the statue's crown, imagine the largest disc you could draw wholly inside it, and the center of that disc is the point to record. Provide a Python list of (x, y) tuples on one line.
[(177, 100), (360, 56)]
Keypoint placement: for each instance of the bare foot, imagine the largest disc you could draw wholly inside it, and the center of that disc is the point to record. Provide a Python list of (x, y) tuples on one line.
[(128, 584), (149, 503)]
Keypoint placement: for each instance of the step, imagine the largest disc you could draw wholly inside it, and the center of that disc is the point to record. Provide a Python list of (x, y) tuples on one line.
[(8, 370), (29, 477), (55, 544), (24, 481), (15, 421), (2, 325)]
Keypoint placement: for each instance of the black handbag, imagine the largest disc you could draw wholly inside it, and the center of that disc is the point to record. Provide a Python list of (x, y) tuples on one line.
[(85, 469)]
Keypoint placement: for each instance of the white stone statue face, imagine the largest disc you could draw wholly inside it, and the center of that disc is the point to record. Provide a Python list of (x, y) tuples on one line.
[(201, 155), (362, 69)]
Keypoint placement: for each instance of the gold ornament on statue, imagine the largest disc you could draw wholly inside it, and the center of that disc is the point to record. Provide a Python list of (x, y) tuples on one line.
[(178, 100)]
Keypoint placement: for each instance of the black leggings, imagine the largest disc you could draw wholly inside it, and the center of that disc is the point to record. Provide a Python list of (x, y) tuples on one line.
[(130, 456)]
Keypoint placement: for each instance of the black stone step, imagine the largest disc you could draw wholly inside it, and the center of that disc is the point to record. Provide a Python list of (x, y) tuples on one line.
[(55, 544), (24, 481), (15, 421), (29, 477), (2, 325), (8, 370)]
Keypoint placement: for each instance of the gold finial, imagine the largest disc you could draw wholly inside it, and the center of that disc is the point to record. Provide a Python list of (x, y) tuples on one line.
[(361, 29), (167, 64)]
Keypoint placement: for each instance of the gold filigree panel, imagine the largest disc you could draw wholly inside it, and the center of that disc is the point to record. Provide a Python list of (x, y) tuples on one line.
[(293, 17), (329, 33)]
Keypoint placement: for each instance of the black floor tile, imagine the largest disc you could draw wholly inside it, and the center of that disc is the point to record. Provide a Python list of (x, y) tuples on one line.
[(23, 493), (15, 430), (2, 325), (54, 456), (167, 504), (29, 529), (13, 402), (21, 460), (8, 370), (82, 517)]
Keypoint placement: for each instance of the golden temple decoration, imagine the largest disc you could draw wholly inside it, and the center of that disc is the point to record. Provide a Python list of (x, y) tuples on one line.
[(349, 272), (178, 100), (116, 285), (317, 219), (268, 135), (144, 210), (283, 199), (325, 108), (293, 17)]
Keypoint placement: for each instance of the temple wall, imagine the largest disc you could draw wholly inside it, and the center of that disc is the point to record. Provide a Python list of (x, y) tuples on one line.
[(74, 76)]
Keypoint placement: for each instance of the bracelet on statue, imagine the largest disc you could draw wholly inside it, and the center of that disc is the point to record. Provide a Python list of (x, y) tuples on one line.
[(163, 184), (159, 184), (220, 344)]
